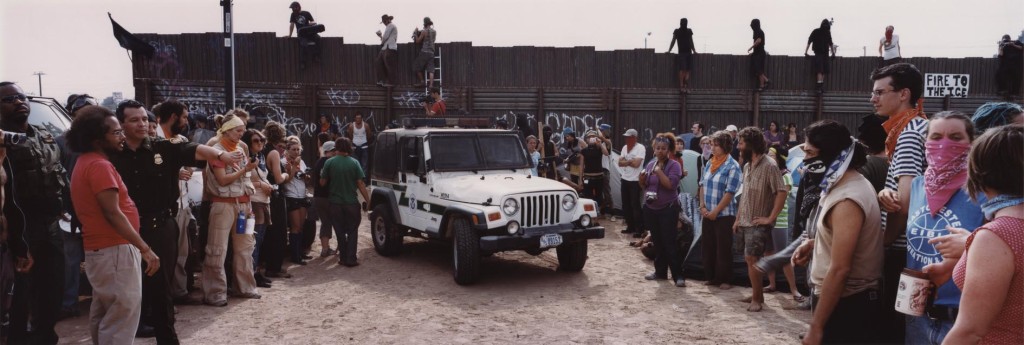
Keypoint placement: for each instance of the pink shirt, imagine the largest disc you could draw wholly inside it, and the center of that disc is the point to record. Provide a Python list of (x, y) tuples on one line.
[(1008, 326)]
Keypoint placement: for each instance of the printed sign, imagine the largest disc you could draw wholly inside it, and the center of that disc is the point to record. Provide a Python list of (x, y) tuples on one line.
[(942, 85)]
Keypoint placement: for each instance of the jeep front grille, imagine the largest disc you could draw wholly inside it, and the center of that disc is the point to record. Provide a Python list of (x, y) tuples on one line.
[(540, 210)]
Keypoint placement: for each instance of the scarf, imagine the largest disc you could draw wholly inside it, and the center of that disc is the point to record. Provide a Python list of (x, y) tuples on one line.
[(717, 161), (946, 172), (229, 146), (808, 193), (895, 125), (1001, 201), (837, 168), (888, 37)]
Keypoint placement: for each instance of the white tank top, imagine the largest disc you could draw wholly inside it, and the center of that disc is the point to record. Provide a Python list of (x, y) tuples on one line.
[(359, 135)]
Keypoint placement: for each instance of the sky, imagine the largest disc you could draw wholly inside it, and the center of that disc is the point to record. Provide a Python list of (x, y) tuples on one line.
[(71, 41)]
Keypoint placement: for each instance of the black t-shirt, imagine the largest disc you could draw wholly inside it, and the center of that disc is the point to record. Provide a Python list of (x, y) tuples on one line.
[(758, 33), (301, 19), (592, 159), (684, 39), (695, 144), (821, 41), (319, 191)]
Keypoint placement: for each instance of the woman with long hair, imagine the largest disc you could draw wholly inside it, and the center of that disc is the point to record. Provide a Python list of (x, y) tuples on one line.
[(659, 182), (774, 135), (792, 136), (274, 245), (295, 195), (260, 198), (230, 188)]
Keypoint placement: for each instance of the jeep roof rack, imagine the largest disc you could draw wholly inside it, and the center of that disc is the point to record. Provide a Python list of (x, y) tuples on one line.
[(446, 122)]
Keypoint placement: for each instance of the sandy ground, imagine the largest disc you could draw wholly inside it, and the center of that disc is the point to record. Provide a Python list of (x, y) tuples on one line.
[(412, 299)]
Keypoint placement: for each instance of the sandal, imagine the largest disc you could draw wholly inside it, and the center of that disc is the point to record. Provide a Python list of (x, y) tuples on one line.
[(799, 298), (768, 290)]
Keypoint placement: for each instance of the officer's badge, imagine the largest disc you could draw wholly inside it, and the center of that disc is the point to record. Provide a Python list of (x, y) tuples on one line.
[(157, 159)]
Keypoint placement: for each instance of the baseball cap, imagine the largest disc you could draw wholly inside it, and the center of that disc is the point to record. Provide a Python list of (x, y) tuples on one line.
[(731, 128), (629, 133), (328, 146), (385, 16), (294, 5), (605, 126)]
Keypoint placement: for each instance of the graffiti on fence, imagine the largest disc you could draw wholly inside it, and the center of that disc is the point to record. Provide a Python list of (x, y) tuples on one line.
[(343, 97), (558, 122), (164, 63)]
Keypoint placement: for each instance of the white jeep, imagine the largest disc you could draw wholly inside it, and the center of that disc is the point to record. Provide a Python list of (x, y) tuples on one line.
[(473, 188)]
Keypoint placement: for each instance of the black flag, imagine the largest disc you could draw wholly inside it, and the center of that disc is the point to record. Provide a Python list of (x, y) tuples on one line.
[(128, 41)]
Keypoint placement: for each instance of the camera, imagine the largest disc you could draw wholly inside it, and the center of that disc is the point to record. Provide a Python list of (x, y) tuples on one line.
[(650, 197), (426, 98), (12, 139), (303, 174)]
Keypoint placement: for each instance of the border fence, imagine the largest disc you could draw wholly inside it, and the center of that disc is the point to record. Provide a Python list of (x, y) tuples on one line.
[(577, 87)]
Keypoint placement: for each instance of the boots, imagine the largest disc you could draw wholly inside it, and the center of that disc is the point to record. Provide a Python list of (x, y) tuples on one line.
[(295, 244)]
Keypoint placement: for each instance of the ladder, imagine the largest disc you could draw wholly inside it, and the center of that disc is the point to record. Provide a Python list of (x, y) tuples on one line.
[(437, 73)]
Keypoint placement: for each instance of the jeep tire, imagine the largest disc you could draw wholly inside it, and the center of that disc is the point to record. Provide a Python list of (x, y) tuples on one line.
[(572, 256), (465, 252), (387, 238)]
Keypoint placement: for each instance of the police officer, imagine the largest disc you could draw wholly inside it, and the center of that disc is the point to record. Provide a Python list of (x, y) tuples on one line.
[(33, 206), (150, 169)]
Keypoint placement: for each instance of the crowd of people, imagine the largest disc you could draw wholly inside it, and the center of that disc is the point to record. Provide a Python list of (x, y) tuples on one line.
[(937, 197)]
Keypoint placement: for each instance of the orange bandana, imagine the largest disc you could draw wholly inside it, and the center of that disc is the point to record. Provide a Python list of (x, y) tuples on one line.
[(895, 125), (229, 145), (717, 161)]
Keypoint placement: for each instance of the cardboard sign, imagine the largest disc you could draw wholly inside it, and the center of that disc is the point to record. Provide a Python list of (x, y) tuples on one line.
[(942, 85)]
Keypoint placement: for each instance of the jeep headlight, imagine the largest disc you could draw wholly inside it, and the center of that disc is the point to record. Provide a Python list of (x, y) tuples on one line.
[(586, 221), (568, 202), (513, 227), (510, 206)]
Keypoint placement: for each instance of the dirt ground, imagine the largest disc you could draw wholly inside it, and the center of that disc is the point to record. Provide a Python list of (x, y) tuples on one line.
[(521, 299)]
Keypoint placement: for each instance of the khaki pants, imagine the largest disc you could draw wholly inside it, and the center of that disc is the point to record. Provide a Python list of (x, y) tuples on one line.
[(116, 277), (179, 285), (222, 226)]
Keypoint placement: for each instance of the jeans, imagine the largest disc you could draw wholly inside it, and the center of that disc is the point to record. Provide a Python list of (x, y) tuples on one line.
[(666, 243), (346, 219), (631, 206), (362, 154), (924, 330), (386, 65), (73, 257)]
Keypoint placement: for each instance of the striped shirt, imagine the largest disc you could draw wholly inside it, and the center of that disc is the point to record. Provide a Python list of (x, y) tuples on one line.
[(762, 182), (782, 221), (907, 161), (725, 180)]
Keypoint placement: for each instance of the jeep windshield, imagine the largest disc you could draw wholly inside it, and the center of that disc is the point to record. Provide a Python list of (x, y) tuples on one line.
[(477, 151)]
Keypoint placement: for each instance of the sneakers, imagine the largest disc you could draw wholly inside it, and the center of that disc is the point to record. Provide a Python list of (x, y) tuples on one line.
[(326, 252), (680, 283), (222, 303), (247, 295), (655, 276), (352, 263)]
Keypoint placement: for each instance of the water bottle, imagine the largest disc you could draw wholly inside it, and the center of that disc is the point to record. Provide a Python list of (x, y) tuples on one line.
[(240, 224), (12, 139)]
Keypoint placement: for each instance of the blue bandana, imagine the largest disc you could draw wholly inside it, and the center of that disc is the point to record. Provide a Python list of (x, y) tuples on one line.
[(990, 206)]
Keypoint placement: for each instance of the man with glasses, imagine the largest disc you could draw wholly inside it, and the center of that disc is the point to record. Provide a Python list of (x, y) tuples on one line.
[(896, 96), (150, 169), (33, 206)]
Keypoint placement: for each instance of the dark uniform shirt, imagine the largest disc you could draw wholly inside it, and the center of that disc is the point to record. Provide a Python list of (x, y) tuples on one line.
[(36, 183), (151, 172)]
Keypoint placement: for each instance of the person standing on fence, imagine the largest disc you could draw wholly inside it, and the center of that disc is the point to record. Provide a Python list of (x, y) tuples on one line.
[(1009, 75), (684, 60), (309, 39), (889, 47), (388, 51), (425, 60), (758, 56), (821, 41)]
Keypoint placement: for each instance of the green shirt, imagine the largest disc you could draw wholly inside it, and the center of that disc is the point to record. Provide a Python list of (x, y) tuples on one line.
[(782, 221), (342, 174)]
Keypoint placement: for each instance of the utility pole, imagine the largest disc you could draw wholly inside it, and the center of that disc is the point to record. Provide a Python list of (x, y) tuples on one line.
[(645, 39), (40, 74), (229, 57)]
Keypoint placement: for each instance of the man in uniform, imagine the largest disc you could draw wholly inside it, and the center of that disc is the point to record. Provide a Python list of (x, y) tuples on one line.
[(150, 169), (33, 206)]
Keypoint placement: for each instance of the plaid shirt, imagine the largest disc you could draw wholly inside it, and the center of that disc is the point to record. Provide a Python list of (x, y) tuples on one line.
[(725, 180)]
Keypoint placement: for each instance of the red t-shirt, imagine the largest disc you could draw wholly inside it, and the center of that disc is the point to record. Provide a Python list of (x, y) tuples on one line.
[(94, 174), (438, 108)]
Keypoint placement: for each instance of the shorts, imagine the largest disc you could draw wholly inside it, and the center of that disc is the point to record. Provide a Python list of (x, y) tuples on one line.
[(757, 62), (779, 240), (424, 61), (821, 64), (297, 203), (751, 241), (684, 61)]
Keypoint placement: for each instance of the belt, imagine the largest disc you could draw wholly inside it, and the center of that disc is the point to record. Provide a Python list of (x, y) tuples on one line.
[(942, 313), (240, 199)]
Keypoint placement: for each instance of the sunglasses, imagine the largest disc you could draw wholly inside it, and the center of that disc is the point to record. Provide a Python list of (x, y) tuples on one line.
[(259, 140), (12, 98)]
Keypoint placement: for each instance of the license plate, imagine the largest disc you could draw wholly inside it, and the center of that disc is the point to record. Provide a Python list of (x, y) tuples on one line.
[(550, 240)]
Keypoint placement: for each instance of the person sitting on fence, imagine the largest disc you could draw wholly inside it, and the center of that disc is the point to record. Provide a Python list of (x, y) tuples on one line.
[(309, 39)]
